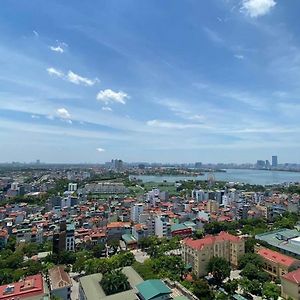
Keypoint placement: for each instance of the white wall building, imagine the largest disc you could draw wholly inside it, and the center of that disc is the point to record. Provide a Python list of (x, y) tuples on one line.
[(136, 210), (162, 226)]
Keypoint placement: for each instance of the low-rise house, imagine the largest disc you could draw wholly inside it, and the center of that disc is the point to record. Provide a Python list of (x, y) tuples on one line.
[(181, 230), (60, 283), (31, 288), (290, 285), (154, 289)]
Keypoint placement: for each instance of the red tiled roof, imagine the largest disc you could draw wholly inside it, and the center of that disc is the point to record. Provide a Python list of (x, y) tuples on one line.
[(293, 276), (118, 224), (276, 257), (30, 287), (210, 240)]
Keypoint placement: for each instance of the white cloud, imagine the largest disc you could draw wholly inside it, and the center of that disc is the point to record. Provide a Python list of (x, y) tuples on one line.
[(213, 36), (36, 34), (239, 56), (172, 125), (77, 79), (52, 71), (109, 95), (106, 108), (35, 117), (72, 77), (257, 8), (100, 149), (63, 113), (60, 48), (57, 49)]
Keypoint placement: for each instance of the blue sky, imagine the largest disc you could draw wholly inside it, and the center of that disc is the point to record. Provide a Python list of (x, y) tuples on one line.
[(167, 81)]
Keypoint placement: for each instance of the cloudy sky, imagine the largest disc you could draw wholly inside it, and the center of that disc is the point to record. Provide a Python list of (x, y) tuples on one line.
[(167, 81)]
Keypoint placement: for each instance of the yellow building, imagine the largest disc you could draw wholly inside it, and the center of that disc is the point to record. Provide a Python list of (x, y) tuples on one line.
[(197, 253), (277, 264), (290, 285), (212, 206)]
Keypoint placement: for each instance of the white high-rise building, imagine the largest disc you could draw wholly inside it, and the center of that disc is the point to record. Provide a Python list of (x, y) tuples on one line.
[(153, 197), (136, 210), (72, 187), (162, 226), (14, 186)]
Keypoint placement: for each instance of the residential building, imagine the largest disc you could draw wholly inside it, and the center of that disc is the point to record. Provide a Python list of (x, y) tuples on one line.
[(140, 231), (154, 289), (197, 253), (72, 187), (31, 288), (136, 210), (277, 264), (59, 238), (212, 206), (115, 230), (290, 285), (3, 238), (162, 226), (60, 283), (181, 230), (70, 237)]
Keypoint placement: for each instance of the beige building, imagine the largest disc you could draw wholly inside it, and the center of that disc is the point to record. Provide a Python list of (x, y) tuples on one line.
[(212, 206), (277, 264), (290, 285), (197, 253)]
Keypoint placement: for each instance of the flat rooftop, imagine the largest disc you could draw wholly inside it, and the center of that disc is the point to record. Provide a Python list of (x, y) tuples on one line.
[(283, 239), (93, 290)]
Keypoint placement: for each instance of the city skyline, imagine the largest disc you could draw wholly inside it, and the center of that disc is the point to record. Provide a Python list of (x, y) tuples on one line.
[(149, 81)]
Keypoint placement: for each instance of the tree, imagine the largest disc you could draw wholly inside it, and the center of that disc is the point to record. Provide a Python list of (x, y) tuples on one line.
[(219, 267), (271, 291), (114, 282), (252, 258), (98, 250), (201, 289), (252, 272), (231, 286), (249, 245)]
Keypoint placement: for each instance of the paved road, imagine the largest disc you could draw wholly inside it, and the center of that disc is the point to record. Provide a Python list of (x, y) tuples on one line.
[(140, 256), (75, 287)]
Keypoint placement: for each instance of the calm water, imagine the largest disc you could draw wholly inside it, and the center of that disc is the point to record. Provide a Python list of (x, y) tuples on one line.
[(246, 176)]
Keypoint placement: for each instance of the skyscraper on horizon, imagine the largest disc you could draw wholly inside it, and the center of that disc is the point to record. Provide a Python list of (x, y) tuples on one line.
[(274, 161)]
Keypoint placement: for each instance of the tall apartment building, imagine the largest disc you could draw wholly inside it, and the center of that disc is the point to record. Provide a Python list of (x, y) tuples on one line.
[(70, 237), (135, 212), (197, 253), (64, 238), (162, 226), (72, 187), (274, 161)]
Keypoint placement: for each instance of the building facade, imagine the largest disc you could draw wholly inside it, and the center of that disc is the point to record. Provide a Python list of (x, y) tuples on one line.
[(197, 253)]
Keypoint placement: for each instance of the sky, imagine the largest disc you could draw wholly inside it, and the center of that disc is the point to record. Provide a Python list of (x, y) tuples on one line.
[(164, 81)]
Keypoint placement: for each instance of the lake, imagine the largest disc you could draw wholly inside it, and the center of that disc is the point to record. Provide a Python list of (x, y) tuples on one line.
[(261, 177)]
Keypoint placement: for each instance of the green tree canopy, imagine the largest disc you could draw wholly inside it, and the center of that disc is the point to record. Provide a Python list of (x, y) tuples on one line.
[(219, 267), (114, 282), (252, 258), (271, 291)]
